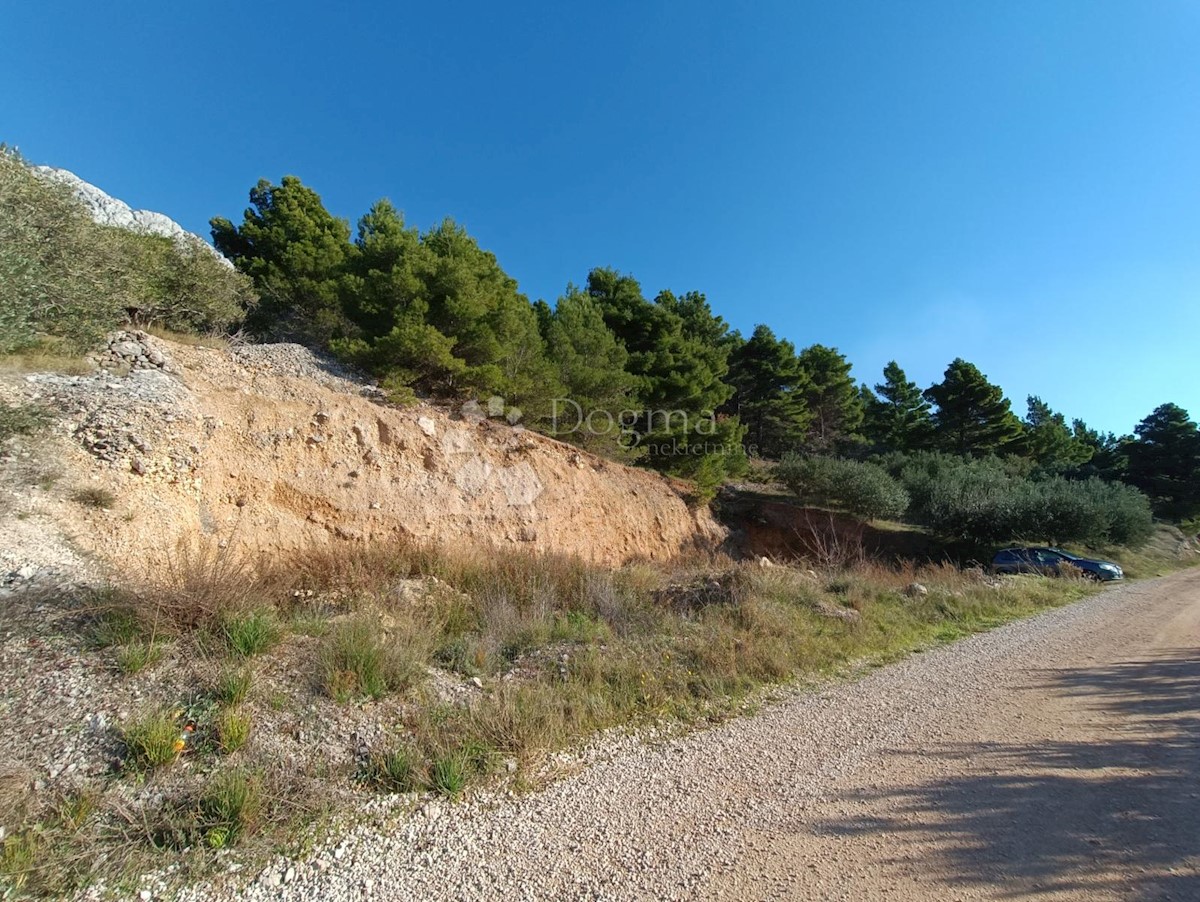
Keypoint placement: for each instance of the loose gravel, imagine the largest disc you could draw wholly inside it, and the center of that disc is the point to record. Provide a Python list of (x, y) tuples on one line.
[(666, 819)]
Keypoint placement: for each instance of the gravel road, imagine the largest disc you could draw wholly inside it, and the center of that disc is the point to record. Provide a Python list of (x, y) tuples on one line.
[(1055, 758)]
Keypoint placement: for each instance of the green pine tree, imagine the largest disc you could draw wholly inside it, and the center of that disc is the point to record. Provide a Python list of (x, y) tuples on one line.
[(1164, 462), (297, 253), (897, 415), (1049, 442), (591, 367), (769, 400), (973, 417), (832, 398)]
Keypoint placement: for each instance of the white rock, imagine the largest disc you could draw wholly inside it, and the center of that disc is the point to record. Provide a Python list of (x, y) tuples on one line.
[(426, 425), (110, 211)]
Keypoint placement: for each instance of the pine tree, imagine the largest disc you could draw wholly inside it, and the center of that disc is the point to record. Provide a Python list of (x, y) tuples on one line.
[(591, 366), (1164, 462), (832, 399), (1049, 442), (897, 415), (769, 384), (973, 417), (296, 252), (678, 351)]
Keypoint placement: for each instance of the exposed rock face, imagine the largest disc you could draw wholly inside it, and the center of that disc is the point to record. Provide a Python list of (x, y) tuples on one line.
[(272, 448), (110, 211)]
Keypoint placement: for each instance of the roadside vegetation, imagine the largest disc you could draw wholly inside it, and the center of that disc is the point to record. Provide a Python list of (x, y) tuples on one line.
[(466, 669)]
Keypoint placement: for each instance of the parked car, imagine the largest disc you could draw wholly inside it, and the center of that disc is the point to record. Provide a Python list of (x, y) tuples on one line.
[(1051, 562)]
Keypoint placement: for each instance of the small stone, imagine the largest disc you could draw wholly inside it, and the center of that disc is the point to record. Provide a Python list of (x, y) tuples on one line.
[(145, 895), (426, 425), (137, 465), (477, 682), (289, 875), (915, 590)]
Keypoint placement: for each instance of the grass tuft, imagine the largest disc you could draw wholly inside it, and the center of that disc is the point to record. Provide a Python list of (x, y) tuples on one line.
[(138, 655), (231, 808), (95, 496), (152, 740), (232, 728), (233, 685), (358, 660), (252, 633)]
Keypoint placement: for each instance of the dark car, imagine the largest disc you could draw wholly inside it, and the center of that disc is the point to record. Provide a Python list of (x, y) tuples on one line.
[(1052, 562)]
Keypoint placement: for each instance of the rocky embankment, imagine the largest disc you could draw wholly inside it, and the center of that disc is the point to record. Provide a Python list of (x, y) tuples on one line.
[(272, 448)]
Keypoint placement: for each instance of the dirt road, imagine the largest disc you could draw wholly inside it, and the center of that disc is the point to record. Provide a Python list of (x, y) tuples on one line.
[(1071, 772), (1056, 758)]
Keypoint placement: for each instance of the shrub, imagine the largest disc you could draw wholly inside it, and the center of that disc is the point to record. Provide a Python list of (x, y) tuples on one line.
[(20, 419), (863, 489), (69, 278), (153, 740)]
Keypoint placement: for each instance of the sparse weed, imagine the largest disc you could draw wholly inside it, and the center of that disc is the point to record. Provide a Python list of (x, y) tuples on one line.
[(95, 496)]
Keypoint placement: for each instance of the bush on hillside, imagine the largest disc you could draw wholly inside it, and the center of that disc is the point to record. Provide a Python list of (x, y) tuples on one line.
[(987, 501), (863, 489), (64, 277)]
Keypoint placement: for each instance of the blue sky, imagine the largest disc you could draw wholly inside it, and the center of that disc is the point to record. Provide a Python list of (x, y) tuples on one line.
[(1016, 183)]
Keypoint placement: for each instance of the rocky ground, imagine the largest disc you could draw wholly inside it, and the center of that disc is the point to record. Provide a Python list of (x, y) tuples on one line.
[(1054, 758)]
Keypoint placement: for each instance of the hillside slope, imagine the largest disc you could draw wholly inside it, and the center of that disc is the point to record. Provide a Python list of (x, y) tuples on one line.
[(273, 448)]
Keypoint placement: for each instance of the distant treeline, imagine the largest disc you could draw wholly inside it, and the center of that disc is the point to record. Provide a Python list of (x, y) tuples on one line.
[(662, 381)]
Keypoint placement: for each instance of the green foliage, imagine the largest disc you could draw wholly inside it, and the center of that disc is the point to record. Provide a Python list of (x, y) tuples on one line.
[(232, 728), (296, 253), (769, 399), (984, 501), (1164, 462), (863, 489), (67, 278), (834, 403), (1049, 443), (973, 417), (152, 740), (897, 415), (251, 633)]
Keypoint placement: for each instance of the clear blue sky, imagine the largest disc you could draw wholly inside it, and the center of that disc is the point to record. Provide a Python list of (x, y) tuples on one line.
[(1016, 183)]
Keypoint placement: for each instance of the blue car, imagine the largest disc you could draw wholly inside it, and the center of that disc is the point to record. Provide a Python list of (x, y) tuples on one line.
[(1051, 562)]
